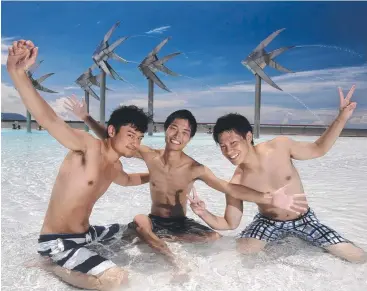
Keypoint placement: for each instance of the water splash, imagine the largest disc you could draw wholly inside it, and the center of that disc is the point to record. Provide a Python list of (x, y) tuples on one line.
[(210, 88), (135, 89), (336, 85), (332, 47), (304, 105)]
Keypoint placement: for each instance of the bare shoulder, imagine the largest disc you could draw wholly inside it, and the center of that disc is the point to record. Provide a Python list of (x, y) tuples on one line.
[(195, 167), (237, 176), (89, 139), (83, 134), (280, 142), (193, 163), (148, 152), (118, 165)]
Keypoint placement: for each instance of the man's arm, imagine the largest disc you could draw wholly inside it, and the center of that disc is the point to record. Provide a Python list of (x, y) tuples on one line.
[(21, 56), (124, 179), (277, 198), (79, 109), (235, 190), (232, 216), (312, 150), (99, 129), (233, 213)]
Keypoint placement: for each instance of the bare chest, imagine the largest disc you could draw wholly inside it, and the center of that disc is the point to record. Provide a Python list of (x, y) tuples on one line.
[(170, 180), (273, 172), (87, 170)]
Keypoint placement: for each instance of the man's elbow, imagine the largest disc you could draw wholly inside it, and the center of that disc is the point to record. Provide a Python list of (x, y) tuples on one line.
[(132, 181), (319, 150), (232, 225), (136, 180)]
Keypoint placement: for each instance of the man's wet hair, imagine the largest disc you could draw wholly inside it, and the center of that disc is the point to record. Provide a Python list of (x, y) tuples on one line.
[(232, 122), (182, 114), (129, 115)]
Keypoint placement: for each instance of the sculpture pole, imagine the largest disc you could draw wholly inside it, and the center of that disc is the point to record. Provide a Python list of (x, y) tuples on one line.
[(256, 61), (29, 122), (150, 105), (37, 85), (148, 67), (86, 96), (102, 104), (257, 107)]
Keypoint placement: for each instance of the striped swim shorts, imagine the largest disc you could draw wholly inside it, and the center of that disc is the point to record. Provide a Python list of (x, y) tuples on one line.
[(307, 227), (71, 251)]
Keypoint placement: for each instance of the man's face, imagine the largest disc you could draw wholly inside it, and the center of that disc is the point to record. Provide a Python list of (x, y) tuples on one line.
[(178, 134), (127, 141), (233, 146)]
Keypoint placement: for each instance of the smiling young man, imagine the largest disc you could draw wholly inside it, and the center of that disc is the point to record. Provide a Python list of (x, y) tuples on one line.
[(172, 174), (268, 166), (87, 171)]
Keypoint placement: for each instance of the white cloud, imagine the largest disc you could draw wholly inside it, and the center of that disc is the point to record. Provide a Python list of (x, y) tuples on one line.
[(5, 43), (12, 103), (71, 88), (306, 82), (10, 100), (277, 115), (316, 89), (158, 104), (158, 30), (58, 107)]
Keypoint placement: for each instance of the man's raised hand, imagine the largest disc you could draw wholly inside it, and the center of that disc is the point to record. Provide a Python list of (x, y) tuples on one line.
[(21, 56)]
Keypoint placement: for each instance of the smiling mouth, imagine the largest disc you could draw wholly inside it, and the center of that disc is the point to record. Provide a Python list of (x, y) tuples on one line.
[(233, 156), (175, 142)]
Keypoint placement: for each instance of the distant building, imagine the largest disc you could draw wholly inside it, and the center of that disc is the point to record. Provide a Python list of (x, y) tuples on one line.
[(12, 117)]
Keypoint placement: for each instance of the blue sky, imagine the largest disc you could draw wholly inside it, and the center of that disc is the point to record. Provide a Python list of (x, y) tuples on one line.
[(214, 37)]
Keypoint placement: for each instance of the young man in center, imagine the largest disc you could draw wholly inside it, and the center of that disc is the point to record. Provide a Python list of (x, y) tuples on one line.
[(268, 166), (172, 174)]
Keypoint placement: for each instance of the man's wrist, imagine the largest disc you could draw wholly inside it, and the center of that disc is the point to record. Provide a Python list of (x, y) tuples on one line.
[(266, 199), (86, 118), (341, 117), (204, 214), (17, 73)]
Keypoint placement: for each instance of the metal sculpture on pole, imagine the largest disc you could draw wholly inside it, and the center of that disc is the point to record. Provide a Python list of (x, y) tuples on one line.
[(86, 81), (100, 56), (148, 67), (256, 62), (37, 85)]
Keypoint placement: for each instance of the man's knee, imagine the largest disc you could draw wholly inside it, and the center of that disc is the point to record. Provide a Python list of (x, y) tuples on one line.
[(113, 278), (142, 221), (357, 256), (212, 236), (349, 252)]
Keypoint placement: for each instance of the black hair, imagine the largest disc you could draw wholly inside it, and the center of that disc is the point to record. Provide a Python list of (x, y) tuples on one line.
[(129, 115), (182, 114), (232, 122)]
